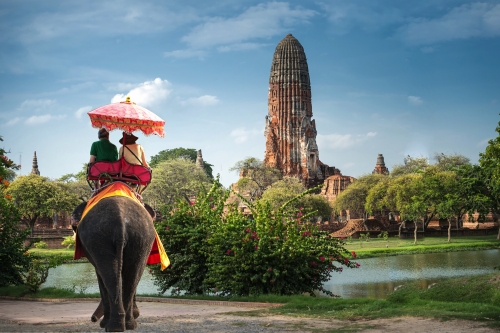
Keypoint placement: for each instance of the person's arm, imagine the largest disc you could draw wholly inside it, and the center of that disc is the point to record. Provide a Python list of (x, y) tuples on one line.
[(116, 153), (93, 153), (143, 157)]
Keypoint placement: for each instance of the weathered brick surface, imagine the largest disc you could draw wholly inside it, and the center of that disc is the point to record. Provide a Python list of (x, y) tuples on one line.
[(290, 130)]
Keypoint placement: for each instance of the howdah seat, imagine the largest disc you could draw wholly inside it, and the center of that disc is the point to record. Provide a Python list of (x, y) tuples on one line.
[(102, 172)]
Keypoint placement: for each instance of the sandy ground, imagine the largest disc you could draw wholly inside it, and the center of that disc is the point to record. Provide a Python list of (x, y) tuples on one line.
[(70, 316)]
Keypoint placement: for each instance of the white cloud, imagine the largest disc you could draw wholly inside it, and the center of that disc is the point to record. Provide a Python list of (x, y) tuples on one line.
[(415, 100), (205, 100), (147, 93), (104, 18), (82, 110), (241, 135), (240, 47), (36, 120), (463, 22), (75, 88), (185, 54), (231, 34), (339, 141), (36, 104), (368, 15), (120, 86), (13, 121)]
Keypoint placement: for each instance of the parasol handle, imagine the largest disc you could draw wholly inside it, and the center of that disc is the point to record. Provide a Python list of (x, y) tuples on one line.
[(123, 147)]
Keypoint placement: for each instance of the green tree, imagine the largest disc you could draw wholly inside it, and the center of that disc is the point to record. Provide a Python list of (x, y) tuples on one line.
[(411, 165), (407, 191), (7, 168), (354, 197), (284, 190), (173, 180), (255, 177), (379, 198), (490, 164), (179, 153), (450, 162), (76, 183), (74, 177), (37, 196), (14, 258)]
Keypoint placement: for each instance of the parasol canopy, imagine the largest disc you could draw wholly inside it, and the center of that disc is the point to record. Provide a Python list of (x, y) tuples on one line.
[(128, 117)]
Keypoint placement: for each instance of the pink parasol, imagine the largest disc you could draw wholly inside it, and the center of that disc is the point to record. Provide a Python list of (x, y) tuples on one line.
[(128, 117)]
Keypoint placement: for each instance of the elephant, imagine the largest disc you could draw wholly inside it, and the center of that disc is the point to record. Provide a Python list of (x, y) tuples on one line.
[(116, 236)]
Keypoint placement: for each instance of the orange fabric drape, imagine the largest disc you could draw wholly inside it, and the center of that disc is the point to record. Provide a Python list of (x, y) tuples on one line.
[(158, 255)]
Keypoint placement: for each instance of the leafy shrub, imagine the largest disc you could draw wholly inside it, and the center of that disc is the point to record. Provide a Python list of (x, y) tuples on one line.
[(39, 271), (275, 252), (14, 258), (184, 235), (41, 245), (286, 189), (69, 242), (216, 249)]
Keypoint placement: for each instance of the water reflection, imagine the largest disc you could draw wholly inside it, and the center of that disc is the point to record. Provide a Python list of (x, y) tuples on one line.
[(375, 278), (81, 277), (378, 276)]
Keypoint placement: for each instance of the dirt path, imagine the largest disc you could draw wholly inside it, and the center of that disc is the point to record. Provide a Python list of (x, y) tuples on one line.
[(27, 316)]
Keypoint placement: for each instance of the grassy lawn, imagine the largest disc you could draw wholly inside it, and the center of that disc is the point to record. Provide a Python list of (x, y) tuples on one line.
[(379, 247), (372, 248), (67, 254)]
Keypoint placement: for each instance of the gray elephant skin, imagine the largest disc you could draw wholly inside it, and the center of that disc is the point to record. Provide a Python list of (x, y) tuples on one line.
[(116, 236)]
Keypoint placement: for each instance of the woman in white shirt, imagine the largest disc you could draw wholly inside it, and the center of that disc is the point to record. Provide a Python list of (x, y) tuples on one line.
[(134, 153)]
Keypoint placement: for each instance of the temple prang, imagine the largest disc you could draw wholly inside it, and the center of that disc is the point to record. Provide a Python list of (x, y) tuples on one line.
[(290, 130)]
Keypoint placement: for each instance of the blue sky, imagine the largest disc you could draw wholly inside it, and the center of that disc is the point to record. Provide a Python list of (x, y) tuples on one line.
[(392, 77)]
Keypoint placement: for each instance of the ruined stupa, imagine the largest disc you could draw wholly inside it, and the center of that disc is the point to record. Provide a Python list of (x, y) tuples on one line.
[(34, 166), (380, 167)]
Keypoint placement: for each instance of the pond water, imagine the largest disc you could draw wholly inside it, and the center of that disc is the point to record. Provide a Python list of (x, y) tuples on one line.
[(375, 277)]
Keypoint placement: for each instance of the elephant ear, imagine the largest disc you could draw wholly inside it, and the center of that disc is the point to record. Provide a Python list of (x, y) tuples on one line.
[(76, 216), (150, 210)]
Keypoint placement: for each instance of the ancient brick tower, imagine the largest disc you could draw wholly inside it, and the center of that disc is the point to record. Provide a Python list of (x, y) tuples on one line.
[(380, 167), (290, 130)]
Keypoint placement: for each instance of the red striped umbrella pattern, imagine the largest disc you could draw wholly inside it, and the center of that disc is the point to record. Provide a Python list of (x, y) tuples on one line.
[(128, 117)]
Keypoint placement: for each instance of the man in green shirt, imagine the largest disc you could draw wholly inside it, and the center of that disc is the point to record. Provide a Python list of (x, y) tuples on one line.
[(103, 150)]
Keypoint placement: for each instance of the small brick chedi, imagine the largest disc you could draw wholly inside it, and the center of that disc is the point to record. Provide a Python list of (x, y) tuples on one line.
[(380, 167), (290, 130)]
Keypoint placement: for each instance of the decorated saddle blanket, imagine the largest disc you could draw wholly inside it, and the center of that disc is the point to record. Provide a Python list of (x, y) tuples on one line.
[(157, 254)]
